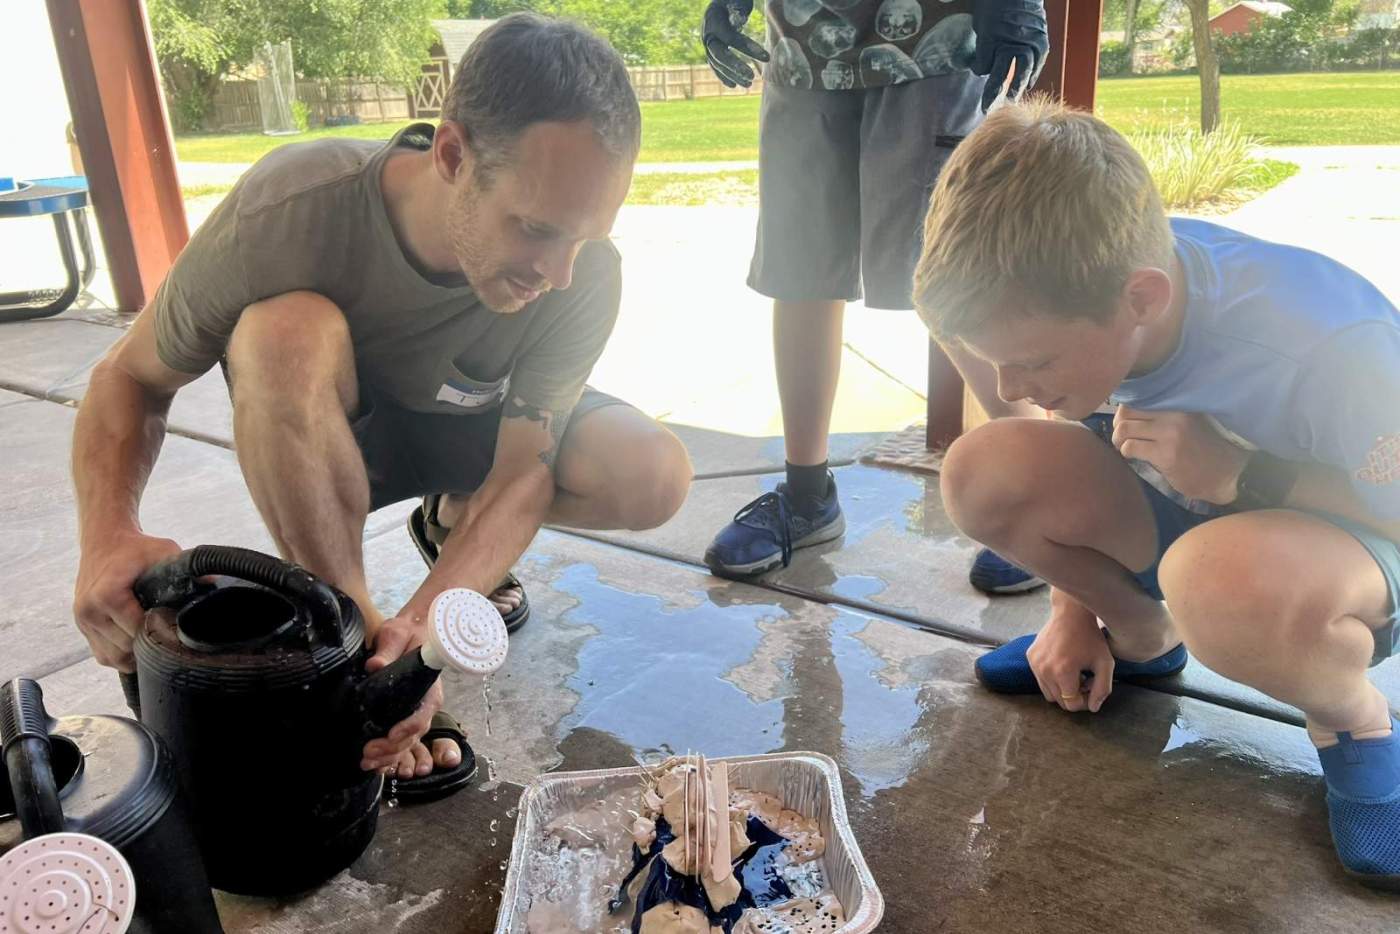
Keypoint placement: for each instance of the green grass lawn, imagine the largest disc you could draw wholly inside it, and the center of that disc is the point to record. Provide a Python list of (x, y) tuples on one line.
[(249, 147), (1323, 109)]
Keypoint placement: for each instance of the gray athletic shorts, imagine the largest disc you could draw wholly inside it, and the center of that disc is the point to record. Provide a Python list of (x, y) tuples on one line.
[(844, 179)]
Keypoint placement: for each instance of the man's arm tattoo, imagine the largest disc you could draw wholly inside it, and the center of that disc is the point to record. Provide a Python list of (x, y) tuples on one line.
[(552, 422)]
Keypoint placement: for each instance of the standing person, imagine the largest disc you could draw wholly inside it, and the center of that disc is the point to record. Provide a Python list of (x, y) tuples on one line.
[(863, 100)]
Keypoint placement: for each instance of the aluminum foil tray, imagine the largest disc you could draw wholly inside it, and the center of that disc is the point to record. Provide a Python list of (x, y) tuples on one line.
[(582, 881)]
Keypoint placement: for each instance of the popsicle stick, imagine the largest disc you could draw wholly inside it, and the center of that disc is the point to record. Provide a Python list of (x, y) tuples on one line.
[(703, 826), (721, 856)]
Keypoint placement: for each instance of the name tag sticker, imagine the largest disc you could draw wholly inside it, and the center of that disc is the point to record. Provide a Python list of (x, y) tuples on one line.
[(473, 395)]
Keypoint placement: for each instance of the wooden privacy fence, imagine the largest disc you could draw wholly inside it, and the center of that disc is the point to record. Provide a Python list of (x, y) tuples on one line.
[(683, 82), (236, 102)]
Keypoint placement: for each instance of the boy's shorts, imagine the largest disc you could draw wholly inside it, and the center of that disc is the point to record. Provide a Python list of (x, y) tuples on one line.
[(844, 179), (1174, 520)]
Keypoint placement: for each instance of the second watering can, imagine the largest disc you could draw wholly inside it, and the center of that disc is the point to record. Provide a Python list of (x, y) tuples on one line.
[(93, 834), (252, 671)]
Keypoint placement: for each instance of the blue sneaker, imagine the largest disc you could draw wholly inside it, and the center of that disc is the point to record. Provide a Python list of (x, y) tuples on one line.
[(991, 573), (1363, 805), (1006, 670), (765, 533)]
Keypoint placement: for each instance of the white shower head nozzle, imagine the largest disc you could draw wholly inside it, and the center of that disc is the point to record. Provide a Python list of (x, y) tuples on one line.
[(466, 633), (66, 883)]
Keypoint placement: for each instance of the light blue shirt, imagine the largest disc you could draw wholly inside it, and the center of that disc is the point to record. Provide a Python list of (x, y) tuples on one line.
[(1290, 351)]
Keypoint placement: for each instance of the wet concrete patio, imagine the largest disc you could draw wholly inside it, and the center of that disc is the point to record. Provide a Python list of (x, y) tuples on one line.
[(1195, 805)]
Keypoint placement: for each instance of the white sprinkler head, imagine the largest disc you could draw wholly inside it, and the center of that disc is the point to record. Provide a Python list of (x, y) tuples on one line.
[(467, 633), (65, 883)]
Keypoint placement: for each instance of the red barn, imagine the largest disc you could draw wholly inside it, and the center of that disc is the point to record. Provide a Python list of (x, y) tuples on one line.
[(1242, 17)]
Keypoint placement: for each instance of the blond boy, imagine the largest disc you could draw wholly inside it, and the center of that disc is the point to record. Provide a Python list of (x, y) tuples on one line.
[(1246, 505)]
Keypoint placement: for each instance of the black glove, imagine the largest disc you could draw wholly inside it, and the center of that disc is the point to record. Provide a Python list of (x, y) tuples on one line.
[(722, 33), (1009, 31)]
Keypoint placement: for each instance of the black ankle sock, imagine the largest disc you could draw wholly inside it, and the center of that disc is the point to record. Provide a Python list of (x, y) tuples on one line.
[(803, 482)]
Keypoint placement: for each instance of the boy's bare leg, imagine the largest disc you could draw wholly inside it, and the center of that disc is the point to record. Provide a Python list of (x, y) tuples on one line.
[(807, 355), (1053, 498), (1285, 603)]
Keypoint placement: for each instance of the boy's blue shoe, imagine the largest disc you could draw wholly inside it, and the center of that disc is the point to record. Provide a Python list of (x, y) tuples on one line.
[(765, 533), (1363, 805), (991, 573), (1007, 671)]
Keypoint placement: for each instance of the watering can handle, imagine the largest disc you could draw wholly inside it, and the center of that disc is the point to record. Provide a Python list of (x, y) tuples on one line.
[(175, 580), (24, 738)]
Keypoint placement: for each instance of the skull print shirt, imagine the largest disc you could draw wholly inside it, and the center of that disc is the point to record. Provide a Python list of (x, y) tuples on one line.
[(853, 44)]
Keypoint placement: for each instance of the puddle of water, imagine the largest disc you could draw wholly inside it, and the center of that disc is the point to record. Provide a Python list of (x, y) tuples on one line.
[(486, 699), (1200, 733), (858, 587), (657, 674), (881, 742)]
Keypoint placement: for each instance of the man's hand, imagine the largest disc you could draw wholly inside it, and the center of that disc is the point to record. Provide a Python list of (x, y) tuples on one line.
[(1069, 645), (722, 33), (1009, 32), (104, 607), (1196, 459), (400, 751)]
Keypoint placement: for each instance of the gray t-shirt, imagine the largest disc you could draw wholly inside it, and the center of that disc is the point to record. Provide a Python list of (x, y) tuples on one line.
[(853, 44), (311, 216)]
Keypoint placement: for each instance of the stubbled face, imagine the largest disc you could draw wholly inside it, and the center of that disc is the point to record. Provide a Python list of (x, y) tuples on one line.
[(517, 233), (1065, 366)]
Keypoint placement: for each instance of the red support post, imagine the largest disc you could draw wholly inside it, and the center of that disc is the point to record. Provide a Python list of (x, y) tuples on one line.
[(109, 71), (1071, 72)]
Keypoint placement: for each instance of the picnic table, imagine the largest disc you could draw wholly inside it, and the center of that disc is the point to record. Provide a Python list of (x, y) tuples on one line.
[(65, 200)]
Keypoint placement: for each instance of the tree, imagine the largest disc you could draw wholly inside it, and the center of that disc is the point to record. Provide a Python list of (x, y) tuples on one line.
[(644, 32), (1130, 15), (488, 9), (1133, 17), (1206, 64), (200, 42)]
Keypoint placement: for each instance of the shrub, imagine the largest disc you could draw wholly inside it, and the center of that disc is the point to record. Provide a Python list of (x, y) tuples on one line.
[(1113, 59), (1192, 169), (301, 116)]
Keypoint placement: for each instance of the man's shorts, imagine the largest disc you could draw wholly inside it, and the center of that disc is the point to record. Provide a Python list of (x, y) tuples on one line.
[(409, 454), (1174, 520), (844, 179)]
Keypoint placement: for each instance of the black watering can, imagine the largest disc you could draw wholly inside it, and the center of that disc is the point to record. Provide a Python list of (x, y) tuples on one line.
[(256, 681), (93, 834)]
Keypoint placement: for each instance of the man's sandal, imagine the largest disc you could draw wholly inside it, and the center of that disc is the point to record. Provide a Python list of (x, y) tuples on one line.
[(440, 782), (428, 535)]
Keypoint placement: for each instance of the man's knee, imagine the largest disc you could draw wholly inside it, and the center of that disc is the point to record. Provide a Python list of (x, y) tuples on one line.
[(653, 480), (292, 347), (986, 477)]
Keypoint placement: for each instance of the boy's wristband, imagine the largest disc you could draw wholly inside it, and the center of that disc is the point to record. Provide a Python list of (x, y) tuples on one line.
[(1265, 482)]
